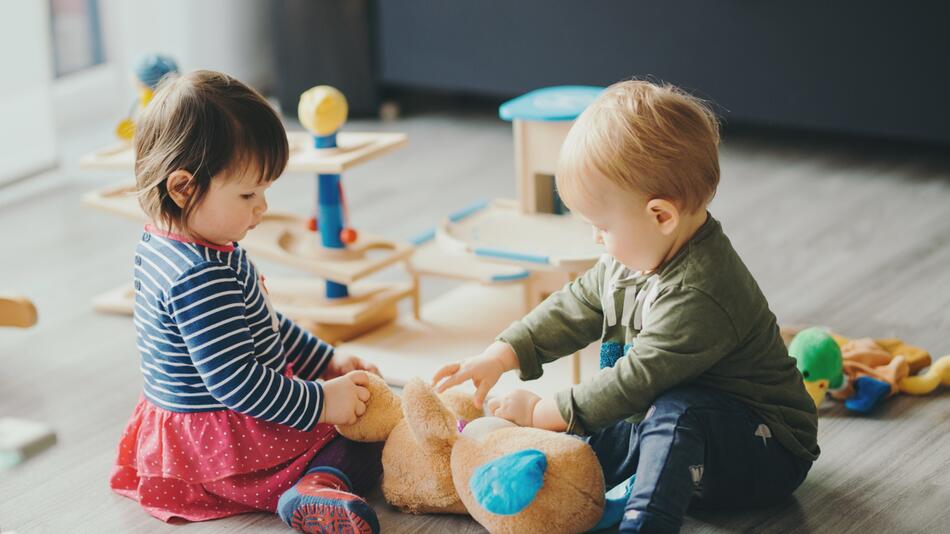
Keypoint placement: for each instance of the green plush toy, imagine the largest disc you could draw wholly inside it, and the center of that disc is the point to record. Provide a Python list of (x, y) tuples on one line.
[(819, 361)]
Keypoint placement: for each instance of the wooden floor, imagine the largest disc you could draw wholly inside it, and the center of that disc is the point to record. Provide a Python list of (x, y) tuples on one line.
[(852, 236)]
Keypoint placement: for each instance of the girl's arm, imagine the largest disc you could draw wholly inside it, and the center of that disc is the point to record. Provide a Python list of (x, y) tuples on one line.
[(207, 304), (308, 354)]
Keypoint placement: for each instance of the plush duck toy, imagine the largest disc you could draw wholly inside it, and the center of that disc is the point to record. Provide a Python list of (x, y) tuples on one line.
[(441, 456), (863, 372)]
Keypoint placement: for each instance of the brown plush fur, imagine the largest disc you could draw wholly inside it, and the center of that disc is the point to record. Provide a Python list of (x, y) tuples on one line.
[(571, 499), (427, 463), (383, 412)]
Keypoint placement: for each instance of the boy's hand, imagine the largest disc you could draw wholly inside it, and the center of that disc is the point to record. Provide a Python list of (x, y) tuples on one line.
[(483, 370), (517, 407), (342, 363), (344, 398)]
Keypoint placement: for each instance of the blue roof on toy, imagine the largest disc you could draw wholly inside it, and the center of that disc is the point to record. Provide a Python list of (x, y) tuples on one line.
[(560, 103)]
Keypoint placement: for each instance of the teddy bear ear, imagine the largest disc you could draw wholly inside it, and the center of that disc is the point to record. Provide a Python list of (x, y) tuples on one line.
[(508, 484), (428, 417), (462, 404), (383, 412)]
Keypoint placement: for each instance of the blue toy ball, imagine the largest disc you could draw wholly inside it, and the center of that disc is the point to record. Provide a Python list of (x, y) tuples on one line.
[(151, 68)]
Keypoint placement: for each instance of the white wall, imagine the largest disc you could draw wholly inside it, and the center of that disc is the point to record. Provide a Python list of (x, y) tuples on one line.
[(27, 141), (231, 36)]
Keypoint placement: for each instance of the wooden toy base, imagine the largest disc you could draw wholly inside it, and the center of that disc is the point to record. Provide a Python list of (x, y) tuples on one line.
[(339, 333), (118, 199), (284, 238), (460, 324), (303, 299), (118, 301), (353, 148), (370, 305), (431, 259), (500, 233)]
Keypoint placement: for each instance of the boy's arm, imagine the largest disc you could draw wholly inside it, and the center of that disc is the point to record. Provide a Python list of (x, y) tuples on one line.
[(547, 416), (687, 334), (308, 354), (567, 321)]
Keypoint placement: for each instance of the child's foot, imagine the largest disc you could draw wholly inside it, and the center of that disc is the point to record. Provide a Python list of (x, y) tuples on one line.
[(322, 502)]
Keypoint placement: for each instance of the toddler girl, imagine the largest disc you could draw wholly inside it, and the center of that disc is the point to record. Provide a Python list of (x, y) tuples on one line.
[(232, 418)]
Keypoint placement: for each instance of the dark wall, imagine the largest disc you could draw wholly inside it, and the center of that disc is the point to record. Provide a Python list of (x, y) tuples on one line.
[(873, 67), (325, 42)]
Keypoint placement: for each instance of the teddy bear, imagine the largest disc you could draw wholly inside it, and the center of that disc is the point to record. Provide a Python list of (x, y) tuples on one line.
[(442, 456)]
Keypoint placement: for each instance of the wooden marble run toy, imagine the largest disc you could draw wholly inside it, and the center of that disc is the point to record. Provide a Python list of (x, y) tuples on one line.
[(541, 120), (340, 304), (148, 71), (531, 242)]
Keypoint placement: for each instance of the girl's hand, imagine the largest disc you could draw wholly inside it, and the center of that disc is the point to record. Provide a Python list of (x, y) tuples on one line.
[(344, 398), (342, 363), (483, 370), (517, 407)]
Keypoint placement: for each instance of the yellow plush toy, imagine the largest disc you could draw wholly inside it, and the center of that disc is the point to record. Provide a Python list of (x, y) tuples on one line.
[(441, 456)]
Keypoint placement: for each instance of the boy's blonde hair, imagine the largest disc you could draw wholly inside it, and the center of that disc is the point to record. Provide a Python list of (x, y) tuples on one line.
[(651, 139), (203, 122)]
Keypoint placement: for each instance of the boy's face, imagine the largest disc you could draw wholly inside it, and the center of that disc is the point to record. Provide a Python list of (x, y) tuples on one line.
[(233, 205), (626, 224)]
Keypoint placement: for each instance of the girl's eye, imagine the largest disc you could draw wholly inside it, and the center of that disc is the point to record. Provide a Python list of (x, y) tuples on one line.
[(247, 196)]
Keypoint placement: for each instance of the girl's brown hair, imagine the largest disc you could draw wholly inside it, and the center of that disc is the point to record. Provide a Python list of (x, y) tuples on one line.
[(203, 122)]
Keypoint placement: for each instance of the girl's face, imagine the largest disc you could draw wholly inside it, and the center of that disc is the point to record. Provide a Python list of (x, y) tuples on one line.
[(233, 205)]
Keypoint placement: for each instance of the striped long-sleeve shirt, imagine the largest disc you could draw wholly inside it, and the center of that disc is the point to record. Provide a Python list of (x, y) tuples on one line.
[(209, 339)]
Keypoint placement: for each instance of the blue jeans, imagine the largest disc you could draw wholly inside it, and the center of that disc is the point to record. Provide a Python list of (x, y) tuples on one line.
[(696, 446)]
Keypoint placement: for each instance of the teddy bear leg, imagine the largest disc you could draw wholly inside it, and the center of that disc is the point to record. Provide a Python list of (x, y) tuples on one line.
[(322, 502)]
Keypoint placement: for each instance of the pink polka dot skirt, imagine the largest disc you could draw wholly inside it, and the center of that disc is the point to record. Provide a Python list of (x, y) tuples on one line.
[(206, 465)]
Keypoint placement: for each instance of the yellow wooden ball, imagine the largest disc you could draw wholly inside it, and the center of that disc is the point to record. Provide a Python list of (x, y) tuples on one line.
[(322, 109)]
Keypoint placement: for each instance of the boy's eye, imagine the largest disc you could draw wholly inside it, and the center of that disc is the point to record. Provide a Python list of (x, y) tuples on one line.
[(248, 196)]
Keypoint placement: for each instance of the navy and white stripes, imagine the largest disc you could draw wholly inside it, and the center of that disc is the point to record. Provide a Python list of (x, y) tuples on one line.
[(209, 339)]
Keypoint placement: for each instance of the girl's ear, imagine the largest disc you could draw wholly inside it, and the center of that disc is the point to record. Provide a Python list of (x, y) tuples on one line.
[(665, 214), (181, 185)]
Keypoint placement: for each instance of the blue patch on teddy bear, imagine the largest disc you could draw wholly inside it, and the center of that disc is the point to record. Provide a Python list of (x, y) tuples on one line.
[(508, 484)]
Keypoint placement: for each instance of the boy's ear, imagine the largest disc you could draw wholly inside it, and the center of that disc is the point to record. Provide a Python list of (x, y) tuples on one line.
[(181, 185), (665, 214)]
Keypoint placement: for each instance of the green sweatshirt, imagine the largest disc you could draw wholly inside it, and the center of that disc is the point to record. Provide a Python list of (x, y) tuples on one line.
[(700, 319)]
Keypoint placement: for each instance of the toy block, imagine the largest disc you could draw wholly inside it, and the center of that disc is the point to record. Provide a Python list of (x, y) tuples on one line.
[(17, 311), (21, 439)]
